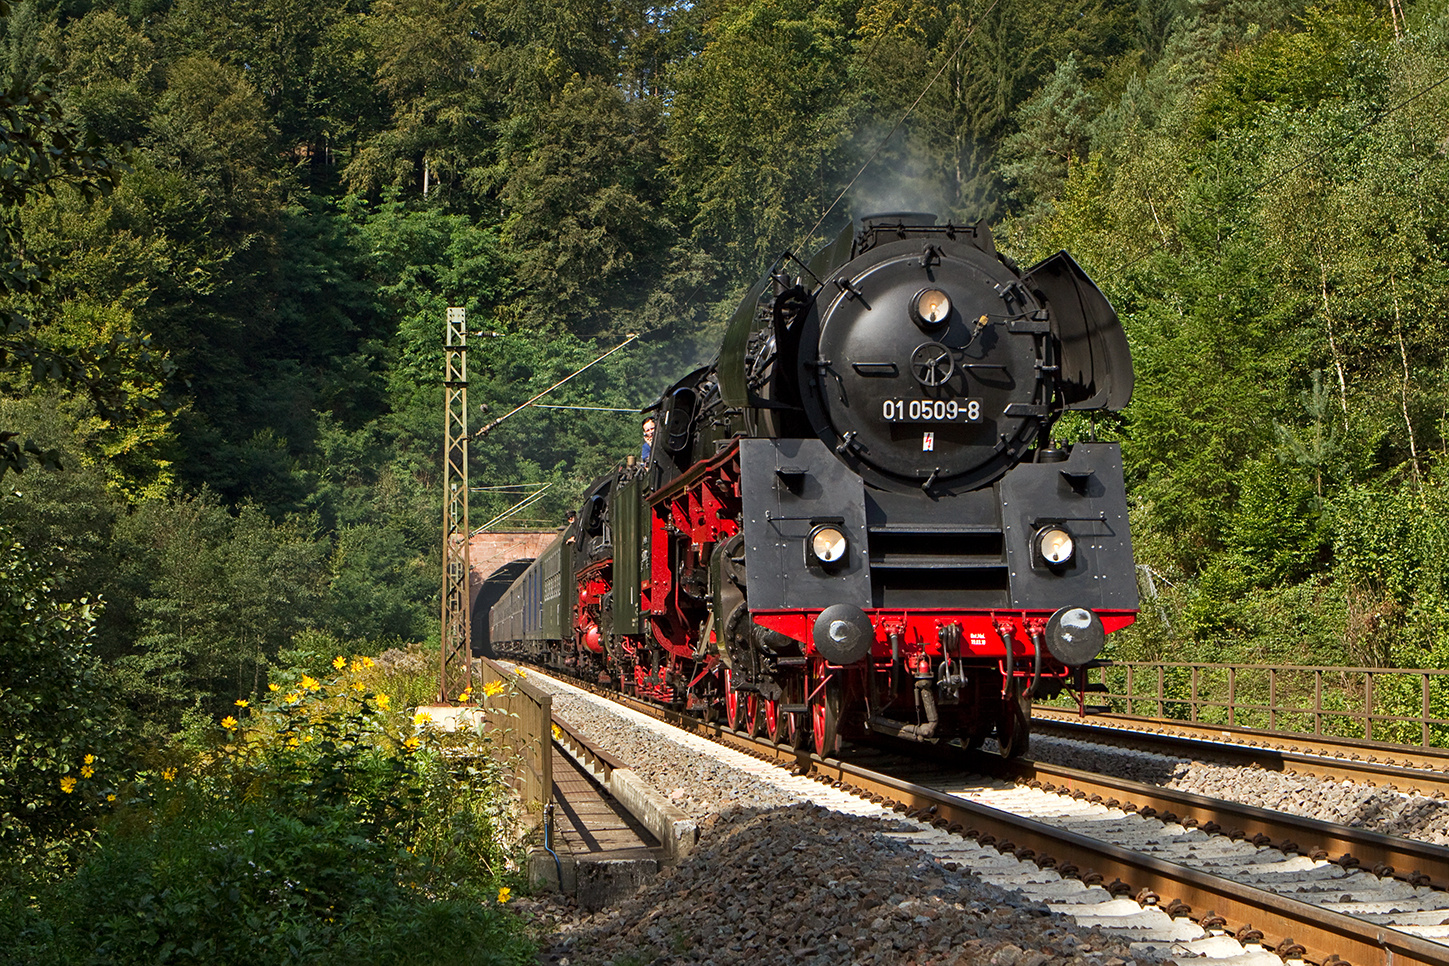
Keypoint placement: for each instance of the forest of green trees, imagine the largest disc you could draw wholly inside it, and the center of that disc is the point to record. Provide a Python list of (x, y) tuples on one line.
[(232, 227)]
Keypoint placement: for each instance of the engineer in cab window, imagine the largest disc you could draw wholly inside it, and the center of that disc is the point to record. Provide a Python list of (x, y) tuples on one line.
[(648, 438)]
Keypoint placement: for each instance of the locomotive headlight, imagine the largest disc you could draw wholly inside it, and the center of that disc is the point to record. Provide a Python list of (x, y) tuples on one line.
[(931, 307), (827, 544), (1054, 546)]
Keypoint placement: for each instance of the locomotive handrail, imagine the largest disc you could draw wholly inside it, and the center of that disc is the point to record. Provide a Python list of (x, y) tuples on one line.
[(682, 482)]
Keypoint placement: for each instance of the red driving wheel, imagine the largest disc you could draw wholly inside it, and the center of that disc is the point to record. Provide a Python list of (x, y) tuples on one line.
[(772, 720), (732, 702), (826, 691)]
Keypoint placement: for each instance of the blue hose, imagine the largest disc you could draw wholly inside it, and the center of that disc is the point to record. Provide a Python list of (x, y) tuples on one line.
[(548, 842)]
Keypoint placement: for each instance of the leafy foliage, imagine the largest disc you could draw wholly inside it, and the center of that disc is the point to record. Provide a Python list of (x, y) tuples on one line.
[(237, 227), (55, 712), (323, 831), (1272, 231), (44, 153)]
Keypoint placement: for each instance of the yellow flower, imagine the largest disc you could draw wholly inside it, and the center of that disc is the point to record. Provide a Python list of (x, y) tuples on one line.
[(87, 771), (67, 784), (241, 702), (422, 718), (519, 672), (292, 742), (493, 689), (339, 662), (90, 759), (383, 701), (368, 662), (504, 894), (359, 686), (306, 738), (310, 683), (111, 797), (169, 774), (355, 666), (293, 697), (272, 687), (228, 722), (557, 733), (411, 743)]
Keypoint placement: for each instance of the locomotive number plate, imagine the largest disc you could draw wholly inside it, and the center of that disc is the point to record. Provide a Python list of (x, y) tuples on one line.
[(931, 410)]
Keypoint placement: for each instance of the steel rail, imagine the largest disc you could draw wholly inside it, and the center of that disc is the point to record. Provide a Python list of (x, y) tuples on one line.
[(1321, 933), (1417, 863), (1287, 922), (1401, 769), (1289, 925)]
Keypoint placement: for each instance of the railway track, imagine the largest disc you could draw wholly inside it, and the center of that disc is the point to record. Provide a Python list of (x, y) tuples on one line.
[(1411, 770), (1197, 867), (1262, 876)]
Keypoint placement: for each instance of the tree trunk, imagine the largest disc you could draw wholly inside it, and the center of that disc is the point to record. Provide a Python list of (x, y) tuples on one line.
[(1333, 341), (1404, 385)]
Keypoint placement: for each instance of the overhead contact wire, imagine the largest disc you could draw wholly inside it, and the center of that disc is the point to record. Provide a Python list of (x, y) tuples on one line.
[(485, 430), (523, 504)]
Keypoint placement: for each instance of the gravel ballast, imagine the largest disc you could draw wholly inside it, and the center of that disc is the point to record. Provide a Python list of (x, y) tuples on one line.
[(803, 884), (778, 879), (1374, 808)]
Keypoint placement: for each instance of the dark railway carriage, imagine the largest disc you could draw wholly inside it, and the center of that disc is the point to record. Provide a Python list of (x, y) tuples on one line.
[(492, 591), (855, 521)]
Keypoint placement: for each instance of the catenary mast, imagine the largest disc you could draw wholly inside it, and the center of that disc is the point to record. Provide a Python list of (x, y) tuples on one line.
[(456, 669)]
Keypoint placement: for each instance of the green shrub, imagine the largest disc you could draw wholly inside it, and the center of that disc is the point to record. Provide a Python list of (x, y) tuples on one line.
[(56, 719), (257, 886), (411, 672), (329, 828)]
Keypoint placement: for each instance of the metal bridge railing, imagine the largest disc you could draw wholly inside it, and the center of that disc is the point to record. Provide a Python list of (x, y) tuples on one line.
[(1405, 706), (528, 746)]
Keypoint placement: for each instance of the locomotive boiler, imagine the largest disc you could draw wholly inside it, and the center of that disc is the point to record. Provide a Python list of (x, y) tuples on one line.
[(855, 520)]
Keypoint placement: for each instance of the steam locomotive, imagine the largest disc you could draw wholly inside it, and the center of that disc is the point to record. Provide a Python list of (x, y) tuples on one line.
[(854, 521)]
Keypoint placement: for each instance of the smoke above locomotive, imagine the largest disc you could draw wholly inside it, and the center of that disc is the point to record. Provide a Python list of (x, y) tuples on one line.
[(854, 521)]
